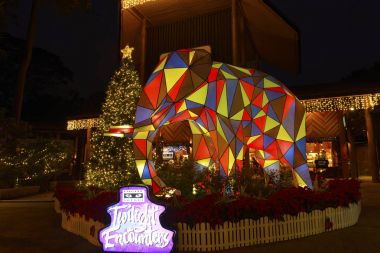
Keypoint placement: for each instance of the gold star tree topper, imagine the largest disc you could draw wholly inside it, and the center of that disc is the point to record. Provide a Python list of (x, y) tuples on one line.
[(127, 52)]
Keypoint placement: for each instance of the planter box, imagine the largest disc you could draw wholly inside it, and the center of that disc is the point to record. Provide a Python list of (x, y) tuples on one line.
[(232, 235), (12, 193)]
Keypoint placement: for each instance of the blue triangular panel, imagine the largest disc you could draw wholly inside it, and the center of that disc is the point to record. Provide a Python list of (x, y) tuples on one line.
[(272, 95), (289, 156), (303, 172), (211, 96), (235, 124), (288, 122), (248, 80), (225, 68), (271, 113), (200, 122), (254, 110), (175, 61), (238, 146), (145, 174), (301, 145), (246, 123), (255, 130), (168, 116), (227, 132), (267, 140), (191, 104), (142, 114), (231, 87)]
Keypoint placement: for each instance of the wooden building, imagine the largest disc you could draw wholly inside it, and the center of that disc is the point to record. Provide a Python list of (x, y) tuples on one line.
[(244, 33)]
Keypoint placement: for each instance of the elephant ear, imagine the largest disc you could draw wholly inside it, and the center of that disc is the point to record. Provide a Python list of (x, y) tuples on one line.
[(200, 65)]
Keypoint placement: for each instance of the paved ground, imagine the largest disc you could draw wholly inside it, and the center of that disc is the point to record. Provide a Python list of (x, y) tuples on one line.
[(31, 225)]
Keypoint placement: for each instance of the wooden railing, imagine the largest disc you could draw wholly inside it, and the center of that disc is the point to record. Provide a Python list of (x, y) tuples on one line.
[(246, 232)]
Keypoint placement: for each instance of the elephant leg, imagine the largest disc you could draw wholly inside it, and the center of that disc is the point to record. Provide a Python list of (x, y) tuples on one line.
[(203, 148), (142, 146), (269, 163)]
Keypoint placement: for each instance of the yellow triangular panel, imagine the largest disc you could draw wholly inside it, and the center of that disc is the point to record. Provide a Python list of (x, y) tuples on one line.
[(300, 180), (204, 162), (240, 154), (140, 135), (219, 129), (193, 114), (182, 107), (194, 128), (231, 160), (145, 128), (161, 65), (191, 55), (228, 75), (269, 162), (199, 96), (204, 130), (269, 84), (245, 71), (238, 116), (217, 64), (261, 113), (172, 76), (302, 131), (140, 166), (270, 123), (283, 135), (252, 138), (265, 100), (246, 100), (147, 181), (223, 107)]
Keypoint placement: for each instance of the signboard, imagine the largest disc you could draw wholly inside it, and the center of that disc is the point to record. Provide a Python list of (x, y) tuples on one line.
[(135, 224)]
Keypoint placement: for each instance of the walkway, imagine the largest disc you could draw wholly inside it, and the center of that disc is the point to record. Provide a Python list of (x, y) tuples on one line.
[(31, 225)]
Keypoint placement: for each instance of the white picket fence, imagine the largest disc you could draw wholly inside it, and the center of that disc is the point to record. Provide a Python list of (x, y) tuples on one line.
[(246, 232)]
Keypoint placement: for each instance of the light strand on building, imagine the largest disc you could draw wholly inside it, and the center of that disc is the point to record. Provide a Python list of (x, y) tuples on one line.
[(130, 3), (345, 103), (83, 123)]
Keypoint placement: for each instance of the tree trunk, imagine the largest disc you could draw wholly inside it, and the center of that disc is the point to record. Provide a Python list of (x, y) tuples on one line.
[(25, 63)]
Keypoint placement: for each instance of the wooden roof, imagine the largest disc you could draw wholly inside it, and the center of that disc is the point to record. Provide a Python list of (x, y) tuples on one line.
[(274, 39)]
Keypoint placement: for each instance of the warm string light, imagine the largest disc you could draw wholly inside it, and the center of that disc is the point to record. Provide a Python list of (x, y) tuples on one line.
[(111, 163), (130, 3), (83, 123), (344, 103)]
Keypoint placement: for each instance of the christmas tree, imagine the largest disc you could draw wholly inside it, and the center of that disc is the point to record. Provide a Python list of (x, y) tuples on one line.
[(111, 162)]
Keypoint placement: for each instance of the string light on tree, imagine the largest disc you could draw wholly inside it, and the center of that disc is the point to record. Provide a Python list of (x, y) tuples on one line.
[(111, 162)]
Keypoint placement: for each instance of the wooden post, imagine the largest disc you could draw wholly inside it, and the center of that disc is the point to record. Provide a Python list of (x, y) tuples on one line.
[(373, 166), (234, 32), (143, 50), (87, 150), (351, 150)]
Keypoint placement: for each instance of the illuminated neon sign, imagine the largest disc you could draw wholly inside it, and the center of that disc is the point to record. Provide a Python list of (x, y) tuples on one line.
[(135, 224)]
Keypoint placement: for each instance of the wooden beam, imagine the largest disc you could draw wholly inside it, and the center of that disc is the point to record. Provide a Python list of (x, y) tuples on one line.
[(143, 50), (234, 31)]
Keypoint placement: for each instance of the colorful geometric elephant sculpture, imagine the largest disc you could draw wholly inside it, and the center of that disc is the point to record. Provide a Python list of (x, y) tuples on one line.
[(229, 109)]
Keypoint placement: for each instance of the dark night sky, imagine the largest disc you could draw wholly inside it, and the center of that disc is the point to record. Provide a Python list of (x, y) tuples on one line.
[(337, 37)]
